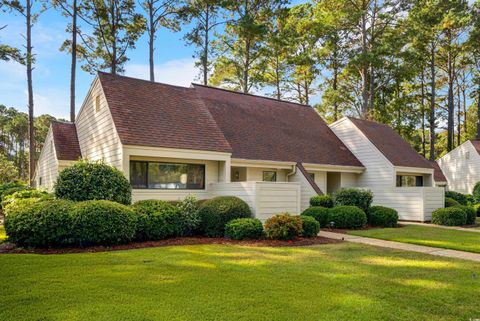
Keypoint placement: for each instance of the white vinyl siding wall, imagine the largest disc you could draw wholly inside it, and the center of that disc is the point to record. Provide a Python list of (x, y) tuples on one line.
[(255, 174), (47, 165), (306, 190)]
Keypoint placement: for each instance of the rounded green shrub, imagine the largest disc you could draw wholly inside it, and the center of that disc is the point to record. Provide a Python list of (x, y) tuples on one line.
[(310, 226), (476, 192), (354, 197), (93, 181), (383, 216), (188, 215), (319, 213), (347, 217), (450, 216), (471, 214), (283, 227), (449, 202), (102, 223), (215, 213), (24, 194), (321, 200), (156, 220), (10, 188), (477, 209), (244, 228), (41, 224), (462, 199)]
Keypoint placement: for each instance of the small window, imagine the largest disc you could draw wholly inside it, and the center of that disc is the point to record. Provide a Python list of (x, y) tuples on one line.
[(409, 181), (97, 103), (269, 176), (40, 181)]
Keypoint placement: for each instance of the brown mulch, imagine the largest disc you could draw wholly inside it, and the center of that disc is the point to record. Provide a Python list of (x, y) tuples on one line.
[(9, 248)]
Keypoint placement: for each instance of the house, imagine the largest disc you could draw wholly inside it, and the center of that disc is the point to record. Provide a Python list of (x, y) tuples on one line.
[(461, 167), (396, 174), (172, 141)]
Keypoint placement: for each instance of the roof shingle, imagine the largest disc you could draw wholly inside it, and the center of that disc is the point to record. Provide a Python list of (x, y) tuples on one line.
[(438, 175), (66, 141)]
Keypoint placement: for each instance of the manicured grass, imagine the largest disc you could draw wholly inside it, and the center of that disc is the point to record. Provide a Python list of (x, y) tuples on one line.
[(3, 236), (217, 282), (429, 236)]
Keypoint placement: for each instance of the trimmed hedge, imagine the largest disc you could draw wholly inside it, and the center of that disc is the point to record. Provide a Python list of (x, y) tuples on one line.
[(450, 202), (310, 226), (24, 194), (93, 181), (462, 199), (216, 212), (188, 215), (354, 197), (102, 223), (156, 220), (283, 227), (244, 228), (383, 216), (347, 217), (319, 213), (471, 214), (321, 200), (451, 216)]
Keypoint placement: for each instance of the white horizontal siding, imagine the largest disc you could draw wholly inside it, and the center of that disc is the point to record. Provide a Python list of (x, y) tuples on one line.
[(47, 165), (256, 174), (306, 190), (242, 190)]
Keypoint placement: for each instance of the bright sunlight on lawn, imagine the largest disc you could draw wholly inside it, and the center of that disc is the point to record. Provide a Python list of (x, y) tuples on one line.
[(429, 236), (217, 282)]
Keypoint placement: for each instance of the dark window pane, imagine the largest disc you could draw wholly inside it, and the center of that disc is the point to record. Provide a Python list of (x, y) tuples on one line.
[(269, 176), (138, 174), (419, 181)]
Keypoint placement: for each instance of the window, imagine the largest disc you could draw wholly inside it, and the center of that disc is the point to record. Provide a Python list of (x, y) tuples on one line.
[(269, 176), (40, 181), (155, 175), (97, 103), (312, 175), (409, 181)]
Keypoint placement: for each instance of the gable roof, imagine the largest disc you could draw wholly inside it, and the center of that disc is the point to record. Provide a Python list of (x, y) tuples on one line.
[(309, 179), (398, 151), (476, 145), (264, 128), (66, 141), (438, 175), (152, 114)]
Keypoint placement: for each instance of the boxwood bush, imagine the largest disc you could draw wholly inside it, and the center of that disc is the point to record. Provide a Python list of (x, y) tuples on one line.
[(477, 209), (383, 216), (321, 200), (449, 202), (41, 224), (319, 213), (450, 216), (310, 226), (244, 228), (156, 220), (102, 223), (283, 227), (476, 192), (462, 199), (189, 218), (216, 212), (471, 214), (354, 197), (347, 217), (93, 181)]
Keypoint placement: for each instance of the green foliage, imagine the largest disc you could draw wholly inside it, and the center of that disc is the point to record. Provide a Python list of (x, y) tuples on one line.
[(93, 181), (10, 188), (383, 216), (102, 222), (321, 200), (471, 214), (215, 213), (354, 197), (477, 209), (319, 213), (157, 220), (451, 216), (476, 192), (8, 170), (39, 195), (462, 199), (283, 227), (310, 226), (449, 202), (347, 217), (244, 228), (188, 215), (41, 224)]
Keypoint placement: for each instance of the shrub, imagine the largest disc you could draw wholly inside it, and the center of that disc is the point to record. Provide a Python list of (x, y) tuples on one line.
[(319, 213), (157, 220), (42, 224), (462, 199), (310, 226), (321, 200), (244, 228), (15, 186), (26, 194), (354, 197), (383, 216), (477, 209), (347, 217), (188, 215), (476, 192), (102, 222), (93, 181), (471, 214), (449, 202), (451, 216), (283, 227), (215, 213)]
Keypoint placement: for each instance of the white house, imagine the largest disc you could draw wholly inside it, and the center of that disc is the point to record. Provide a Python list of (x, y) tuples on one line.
[(173, 141)]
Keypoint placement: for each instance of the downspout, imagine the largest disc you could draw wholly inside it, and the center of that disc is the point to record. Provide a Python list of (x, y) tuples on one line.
[(293, 172)]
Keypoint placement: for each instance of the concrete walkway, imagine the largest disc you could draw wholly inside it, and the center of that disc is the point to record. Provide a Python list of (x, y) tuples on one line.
[(458, 228), (403, 246)]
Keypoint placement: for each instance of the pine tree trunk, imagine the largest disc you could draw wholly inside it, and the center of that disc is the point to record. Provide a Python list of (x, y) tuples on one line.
[(364, 71), (450, 103), (206, 44), (151, 40), (459, 117), (31, 133), (432, 104), (74, 61), (422, 103)]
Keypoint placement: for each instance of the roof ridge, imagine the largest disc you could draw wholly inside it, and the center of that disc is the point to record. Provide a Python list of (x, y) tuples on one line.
[(143, 80)]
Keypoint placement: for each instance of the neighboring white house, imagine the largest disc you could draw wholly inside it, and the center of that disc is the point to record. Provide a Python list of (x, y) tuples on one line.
[(172, 141), (461, 167)]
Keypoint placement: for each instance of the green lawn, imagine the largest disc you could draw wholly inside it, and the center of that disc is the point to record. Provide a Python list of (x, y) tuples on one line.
[(429, 236), (217, 282)]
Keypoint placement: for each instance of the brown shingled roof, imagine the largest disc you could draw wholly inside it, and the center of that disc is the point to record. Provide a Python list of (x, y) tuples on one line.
[(438, 175), (263, 128), (476, 144), (391, 144), (66, 141)]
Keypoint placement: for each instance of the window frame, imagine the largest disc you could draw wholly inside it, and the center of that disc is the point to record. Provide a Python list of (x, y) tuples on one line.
[(275, 176), (418, 178)]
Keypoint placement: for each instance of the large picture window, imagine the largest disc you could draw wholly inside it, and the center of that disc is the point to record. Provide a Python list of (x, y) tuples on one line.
[(156, 175), (409, 181)]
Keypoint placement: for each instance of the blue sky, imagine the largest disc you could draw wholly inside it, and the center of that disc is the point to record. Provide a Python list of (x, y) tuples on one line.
[(174, 64)]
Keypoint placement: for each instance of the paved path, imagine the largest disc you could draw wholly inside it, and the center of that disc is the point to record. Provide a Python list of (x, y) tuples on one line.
[(403, 246), (470, 229)]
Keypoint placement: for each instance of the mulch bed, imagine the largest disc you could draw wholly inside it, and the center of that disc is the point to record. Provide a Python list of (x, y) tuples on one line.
[(11, 248)]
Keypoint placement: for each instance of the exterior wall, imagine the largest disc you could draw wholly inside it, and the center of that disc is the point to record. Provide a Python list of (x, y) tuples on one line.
[(349, 179), (461, 167), (255, 174), (306, 190), (47, 165), (96, 131)]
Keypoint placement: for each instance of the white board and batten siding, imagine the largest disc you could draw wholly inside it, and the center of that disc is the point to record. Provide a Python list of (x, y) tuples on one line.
[(47, 166)]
